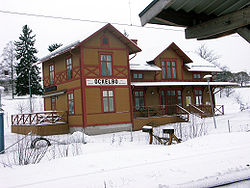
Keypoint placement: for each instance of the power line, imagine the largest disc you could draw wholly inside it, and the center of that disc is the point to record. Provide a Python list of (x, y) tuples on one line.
[(83, 20)]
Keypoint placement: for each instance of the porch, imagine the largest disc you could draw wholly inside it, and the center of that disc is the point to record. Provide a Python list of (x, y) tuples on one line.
[(159, 115), (42, 123), (164, 114)]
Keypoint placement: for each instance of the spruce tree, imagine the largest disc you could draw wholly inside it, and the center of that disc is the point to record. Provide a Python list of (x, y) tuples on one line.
[(26, 67), (53, 47)]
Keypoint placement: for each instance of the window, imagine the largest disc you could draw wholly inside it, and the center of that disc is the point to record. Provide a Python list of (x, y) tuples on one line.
[(71, 103), (169, 69), (52, 74), (106, 65), (179, 97), (108, 101), (139, 99), (105, 41), (163, 102), (53, 103), (163, 64), (69, 68), (137, 75), (198, 97), (197, 76), (173, 69)]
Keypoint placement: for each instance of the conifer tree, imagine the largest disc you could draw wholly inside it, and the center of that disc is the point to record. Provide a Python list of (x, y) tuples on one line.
[(53, 47), (26, 67)]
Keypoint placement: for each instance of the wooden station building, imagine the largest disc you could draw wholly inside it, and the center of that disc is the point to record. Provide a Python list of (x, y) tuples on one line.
[(91, 85)]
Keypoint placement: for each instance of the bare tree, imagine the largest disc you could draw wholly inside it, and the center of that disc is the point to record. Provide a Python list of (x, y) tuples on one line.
[(7, 66), (208, 54), (225, 76)]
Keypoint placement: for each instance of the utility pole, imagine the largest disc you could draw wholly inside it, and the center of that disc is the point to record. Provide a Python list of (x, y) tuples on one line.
[(30, 91), (210, 94), (1, 124)]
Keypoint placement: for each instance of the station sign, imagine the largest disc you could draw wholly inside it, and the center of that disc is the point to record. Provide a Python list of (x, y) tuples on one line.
[(106, 82)]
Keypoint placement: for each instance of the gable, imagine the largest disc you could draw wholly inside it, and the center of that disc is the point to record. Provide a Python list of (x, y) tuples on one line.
[(98, 41), (178, 52), (131, 45)]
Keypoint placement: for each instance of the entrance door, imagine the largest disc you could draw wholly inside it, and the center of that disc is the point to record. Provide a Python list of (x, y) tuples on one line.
[(169, 99), (171, 102)]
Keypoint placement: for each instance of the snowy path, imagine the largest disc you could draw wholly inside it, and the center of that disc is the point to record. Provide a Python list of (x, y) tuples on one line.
[(142, 166)]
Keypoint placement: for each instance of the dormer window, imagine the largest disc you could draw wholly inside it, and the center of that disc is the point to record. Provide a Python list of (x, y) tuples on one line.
[(169, 69)]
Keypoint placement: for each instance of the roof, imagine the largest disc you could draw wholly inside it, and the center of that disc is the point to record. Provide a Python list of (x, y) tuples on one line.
[(144, 67), (146, 84), (200, 65), (132, 47), (228, 14), (200, 10), (60, 50), (193, 62)]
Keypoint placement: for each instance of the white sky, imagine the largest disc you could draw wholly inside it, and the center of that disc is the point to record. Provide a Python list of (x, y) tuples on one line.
[(233, 50)]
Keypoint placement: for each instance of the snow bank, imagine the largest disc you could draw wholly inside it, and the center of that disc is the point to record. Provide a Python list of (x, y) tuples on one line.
[(206, 158)]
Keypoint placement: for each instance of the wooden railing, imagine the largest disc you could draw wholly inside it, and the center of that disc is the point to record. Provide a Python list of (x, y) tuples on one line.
[(149, 111), (184, 114), (41, 118), (160, 110), (194, 109), (206, 110), (219, 109)]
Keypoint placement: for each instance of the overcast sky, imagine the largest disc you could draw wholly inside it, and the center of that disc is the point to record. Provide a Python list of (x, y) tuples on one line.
[(233, 50)]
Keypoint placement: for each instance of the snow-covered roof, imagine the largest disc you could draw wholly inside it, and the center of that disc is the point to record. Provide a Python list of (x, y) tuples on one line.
[(144, 67), (183, 84), (200, 65), (60, 50), (132, 46)]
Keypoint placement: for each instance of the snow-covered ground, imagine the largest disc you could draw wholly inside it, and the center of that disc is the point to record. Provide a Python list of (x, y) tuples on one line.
[(112, 160)]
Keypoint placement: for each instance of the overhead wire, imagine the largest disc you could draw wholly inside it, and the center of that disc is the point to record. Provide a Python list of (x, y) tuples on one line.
[(84, 20), (90, 21)]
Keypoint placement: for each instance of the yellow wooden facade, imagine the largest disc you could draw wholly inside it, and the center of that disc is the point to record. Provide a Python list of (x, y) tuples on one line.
[(88, 84), (152, 94), (88, 99)]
